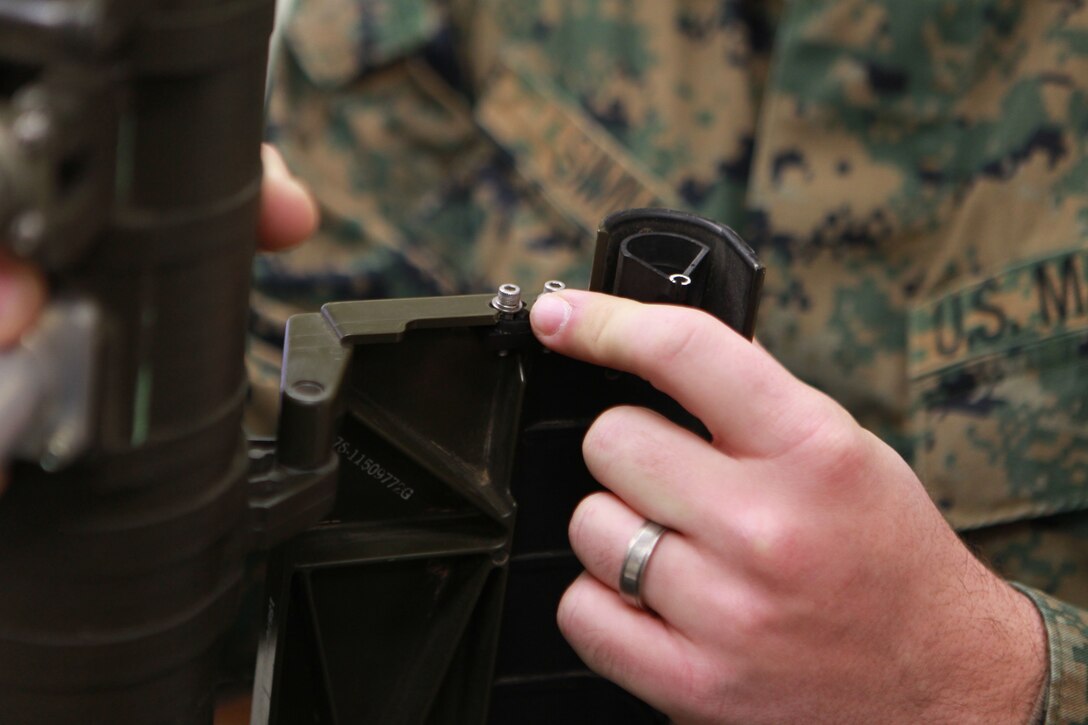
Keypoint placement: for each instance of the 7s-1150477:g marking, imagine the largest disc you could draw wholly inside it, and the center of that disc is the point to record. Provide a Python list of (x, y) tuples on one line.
[(372, 468)]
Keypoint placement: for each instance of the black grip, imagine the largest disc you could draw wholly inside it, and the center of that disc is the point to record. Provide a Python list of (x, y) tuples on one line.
[(663, 255)]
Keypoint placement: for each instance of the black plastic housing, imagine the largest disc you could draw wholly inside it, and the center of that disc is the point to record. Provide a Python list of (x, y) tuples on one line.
[(428, 595)]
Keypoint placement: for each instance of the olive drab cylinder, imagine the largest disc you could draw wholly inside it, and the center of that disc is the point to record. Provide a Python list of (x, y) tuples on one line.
[(130, 168)]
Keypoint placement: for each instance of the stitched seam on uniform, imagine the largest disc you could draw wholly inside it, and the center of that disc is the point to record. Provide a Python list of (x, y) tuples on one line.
[(1014, 311), (1054, 644), (997, 354), (1050, 508)]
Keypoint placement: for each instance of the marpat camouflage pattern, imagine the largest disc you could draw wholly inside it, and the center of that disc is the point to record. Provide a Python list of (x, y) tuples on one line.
[(914, 174)]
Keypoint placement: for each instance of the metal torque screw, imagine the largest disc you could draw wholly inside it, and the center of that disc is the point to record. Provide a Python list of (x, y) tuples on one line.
[(553, 285), (26, 232), (32, 129), (307, 390), (508, 300)]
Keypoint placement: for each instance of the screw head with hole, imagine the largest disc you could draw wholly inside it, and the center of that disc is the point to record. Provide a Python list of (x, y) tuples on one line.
[(308, 390), (508, 300), (554, 285), (32, 129)]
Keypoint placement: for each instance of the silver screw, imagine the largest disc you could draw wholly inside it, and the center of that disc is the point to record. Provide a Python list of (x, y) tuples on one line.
[(32, 129), (508, 300), (27, 231), (553, 285), (307, 390)]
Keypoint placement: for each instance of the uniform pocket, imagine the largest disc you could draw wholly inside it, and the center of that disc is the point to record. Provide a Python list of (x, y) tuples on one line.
[(336, 41), (999, 389)]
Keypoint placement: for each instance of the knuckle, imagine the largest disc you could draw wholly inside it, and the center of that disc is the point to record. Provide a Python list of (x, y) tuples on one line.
[(584, 532), (833, 447), (845, 456), (756, 618), (579, 521), (696, 680), (704, 688), (627, 431), (599, 336), (682, 332), (606, 434), (568, 615), (777, 549), (615, 436), (580, 628)]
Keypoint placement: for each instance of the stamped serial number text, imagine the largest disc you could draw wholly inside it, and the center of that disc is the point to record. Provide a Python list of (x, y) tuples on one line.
[(372, 468)]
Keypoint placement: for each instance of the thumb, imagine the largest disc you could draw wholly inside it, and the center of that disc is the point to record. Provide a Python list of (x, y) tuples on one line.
[(22, 295)]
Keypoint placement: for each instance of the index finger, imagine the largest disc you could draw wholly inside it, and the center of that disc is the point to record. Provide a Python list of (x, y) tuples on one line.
[(288, 212), (745, 398)]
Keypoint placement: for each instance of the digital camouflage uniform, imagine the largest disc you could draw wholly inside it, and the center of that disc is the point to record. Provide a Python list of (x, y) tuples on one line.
[(913, 173)]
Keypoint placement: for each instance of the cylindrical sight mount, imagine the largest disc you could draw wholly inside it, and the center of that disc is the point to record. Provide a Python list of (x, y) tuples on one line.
[(123, 571)]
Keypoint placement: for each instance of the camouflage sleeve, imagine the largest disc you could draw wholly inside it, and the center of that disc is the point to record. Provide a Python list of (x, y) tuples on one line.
[(1067, 640)]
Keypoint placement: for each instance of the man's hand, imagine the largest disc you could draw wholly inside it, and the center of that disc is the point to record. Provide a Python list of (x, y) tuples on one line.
[(288, 212), (805, 576), (288, 215)]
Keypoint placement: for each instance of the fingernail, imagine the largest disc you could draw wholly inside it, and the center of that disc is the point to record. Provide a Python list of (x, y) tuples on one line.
[(276, 168), (274, 164), (549, 314), (294, 187)]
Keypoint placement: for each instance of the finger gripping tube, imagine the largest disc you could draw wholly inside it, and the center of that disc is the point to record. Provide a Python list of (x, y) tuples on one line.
[(432, 585)]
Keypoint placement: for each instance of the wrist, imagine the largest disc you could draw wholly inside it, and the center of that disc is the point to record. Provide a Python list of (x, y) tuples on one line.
[(997, 657), (1028, 686)]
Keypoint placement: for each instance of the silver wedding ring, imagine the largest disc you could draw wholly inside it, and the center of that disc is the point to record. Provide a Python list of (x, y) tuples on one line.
[(639, 550)]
